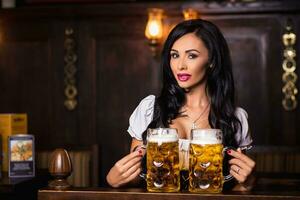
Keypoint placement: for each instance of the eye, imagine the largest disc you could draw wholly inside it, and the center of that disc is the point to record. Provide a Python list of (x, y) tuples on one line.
[(192, 56), (174, 55)]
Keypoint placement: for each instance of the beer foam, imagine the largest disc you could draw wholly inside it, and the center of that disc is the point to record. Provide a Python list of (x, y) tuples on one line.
[(162, 138), (208, 136), (162, 135), (206, 141)]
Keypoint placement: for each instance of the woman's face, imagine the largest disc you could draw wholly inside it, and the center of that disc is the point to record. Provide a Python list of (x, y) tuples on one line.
[(189, 58)]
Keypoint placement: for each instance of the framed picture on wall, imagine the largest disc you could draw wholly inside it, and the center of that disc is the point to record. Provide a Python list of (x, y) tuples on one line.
[(21, 156)]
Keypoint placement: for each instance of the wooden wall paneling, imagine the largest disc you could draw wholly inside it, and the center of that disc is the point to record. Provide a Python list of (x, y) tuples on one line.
[(125, 73), (296, 21), (72, 128), (256, 68), (86, 118), (61, 131), (32, 55), (290, 119), (26, 75), (65, 122)]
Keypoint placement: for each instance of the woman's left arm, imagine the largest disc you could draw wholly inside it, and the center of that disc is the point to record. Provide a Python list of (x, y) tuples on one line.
[(241, 168)]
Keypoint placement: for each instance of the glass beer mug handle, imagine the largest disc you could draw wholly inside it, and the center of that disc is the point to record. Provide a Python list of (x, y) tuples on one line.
[(143, 174), (229, 176)]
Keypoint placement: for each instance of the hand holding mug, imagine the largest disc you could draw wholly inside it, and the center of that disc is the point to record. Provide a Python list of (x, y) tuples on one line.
[(241, 166), (126, 169)]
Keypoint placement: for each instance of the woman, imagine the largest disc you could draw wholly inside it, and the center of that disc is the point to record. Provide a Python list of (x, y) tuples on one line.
[(197, 92)]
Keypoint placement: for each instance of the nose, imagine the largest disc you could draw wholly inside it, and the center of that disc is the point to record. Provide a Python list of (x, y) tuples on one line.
[(181, 64)]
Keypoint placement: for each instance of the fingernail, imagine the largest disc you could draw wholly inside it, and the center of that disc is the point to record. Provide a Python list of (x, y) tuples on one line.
[(229, 151)]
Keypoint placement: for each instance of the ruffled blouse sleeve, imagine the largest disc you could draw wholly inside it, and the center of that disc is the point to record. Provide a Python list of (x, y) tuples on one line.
[(141, 117), (243, 136)]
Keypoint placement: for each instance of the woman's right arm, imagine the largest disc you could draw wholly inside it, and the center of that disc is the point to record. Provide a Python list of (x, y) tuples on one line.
[(128, 168)]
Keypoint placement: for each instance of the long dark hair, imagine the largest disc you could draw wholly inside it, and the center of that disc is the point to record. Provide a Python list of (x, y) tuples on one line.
[(220, 83)]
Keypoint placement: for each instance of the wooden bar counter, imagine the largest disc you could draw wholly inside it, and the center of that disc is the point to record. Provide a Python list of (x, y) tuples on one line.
[(268, 186)]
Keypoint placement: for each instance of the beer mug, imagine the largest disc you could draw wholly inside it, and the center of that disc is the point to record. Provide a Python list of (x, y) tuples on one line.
[(206, 161), (162, 160)]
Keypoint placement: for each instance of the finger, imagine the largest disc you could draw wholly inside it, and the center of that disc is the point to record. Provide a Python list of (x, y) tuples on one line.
[(141, 148), (129, 157), (130, 164), (239, 170), (242, 157), (237, 176), (142, 151), (132, 176), (121, 177), (240, 164), (131, 170)]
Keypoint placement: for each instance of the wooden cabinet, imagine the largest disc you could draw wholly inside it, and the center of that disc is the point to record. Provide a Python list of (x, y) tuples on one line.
[(115, 69)]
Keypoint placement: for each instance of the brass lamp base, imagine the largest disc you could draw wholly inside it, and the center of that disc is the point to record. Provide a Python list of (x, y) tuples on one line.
[(154, 47)]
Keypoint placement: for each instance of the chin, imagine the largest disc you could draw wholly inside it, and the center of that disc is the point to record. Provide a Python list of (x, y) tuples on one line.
[(184, 86), (189, 85)]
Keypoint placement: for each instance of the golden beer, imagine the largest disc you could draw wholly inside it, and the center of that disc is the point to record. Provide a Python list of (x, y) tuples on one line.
[(162, 161), (205, 161)]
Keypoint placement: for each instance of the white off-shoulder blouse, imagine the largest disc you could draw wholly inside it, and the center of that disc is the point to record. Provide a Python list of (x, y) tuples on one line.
[(143, 115)]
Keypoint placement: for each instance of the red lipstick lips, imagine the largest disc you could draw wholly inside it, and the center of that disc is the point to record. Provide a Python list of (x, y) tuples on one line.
[(183, 77)]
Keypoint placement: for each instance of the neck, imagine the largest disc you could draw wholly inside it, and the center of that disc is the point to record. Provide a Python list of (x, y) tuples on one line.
[(197, 97)]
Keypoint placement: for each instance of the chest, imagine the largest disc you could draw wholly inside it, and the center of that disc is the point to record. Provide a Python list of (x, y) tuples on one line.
[(184, 126)]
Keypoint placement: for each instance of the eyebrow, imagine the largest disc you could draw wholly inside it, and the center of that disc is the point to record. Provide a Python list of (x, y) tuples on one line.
[(187, 51)]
